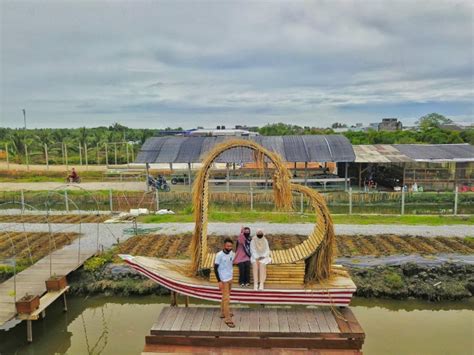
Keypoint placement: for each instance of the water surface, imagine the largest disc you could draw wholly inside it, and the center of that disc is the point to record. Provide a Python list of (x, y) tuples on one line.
[(118, 325)]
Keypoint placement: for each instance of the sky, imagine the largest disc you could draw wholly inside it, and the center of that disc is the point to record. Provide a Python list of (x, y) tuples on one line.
[(157, 64)]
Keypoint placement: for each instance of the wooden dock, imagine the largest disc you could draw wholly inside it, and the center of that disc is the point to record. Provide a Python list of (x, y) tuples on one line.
[(32, 280), (194, 329)]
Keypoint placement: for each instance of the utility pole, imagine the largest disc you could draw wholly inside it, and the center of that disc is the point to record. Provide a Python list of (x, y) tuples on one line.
[(24, 117)]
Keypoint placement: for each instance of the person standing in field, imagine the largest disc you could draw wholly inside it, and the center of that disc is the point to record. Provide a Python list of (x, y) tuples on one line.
[(223, 268), (260, 257), (242, 256)]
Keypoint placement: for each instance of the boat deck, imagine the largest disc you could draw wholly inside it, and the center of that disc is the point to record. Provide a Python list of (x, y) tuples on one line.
[(176, 270), (184, 328)]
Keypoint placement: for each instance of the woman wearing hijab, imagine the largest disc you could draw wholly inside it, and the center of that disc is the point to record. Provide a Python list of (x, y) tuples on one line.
[(260, 257), (242, 256)]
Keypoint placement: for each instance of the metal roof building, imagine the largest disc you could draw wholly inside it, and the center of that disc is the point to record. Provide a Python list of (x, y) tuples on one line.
[(310, 148), (410, 153)]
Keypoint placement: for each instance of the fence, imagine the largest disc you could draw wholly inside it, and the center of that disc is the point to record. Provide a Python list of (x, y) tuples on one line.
[(110, 153), (340, 202)]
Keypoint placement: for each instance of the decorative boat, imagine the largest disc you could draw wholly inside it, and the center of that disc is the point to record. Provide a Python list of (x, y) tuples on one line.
[(337, 292), (303, 274)]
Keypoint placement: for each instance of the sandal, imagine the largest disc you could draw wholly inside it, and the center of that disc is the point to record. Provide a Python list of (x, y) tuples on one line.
[(222, 316), (230, 324)]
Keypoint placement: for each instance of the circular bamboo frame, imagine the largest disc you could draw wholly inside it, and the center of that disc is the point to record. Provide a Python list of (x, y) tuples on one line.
[(316, 250)]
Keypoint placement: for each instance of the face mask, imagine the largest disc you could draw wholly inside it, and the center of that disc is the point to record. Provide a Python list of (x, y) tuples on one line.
[(226, 251), (246, 234), (259, 236)]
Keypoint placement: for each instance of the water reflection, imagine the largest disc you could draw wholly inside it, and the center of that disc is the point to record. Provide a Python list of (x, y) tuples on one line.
[(118, 325)]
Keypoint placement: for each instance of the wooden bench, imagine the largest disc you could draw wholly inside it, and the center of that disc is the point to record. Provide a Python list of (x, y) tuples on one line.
[(276, 274)]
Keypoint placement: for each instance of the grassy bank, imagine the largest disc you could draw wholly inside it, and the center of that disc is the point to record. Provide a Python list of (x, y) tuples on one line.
[(275, 217), (441, 283)]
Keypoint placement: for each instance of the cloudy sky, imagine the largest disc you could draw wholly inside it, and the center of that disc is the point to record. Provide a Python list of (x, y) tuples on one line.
[(187, 63)]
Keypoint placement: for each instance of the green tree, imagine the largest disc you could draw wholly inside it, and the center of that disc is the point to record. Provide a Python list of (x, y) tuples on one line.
[(433, 120)]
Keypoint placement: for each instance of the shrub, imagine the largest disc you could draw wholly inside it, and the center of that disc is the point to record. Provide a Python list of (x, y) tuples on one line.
[(393, 280)]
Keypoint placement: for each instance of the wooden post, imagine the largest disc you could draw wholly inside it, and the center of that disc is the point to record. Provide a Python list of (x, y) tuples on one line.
[(80, 154), (227, 177), (350, 200), (66, 201), (98, 156), (126, 152), (65, 155), (106, 155), (64, 302), (404, 174), (302, 203), (147, 166), (403, 201), (360, 176), (251, 199), (22, 197), (62, 153), (173, 299), (115, 153), (85, 155), (157, 200), (133, 154), (266, 174), (29, 331), (189, 177), (456, 196), (111, 201), (346, 168), (305, 173), (27, 160), (46, 159), (8, 158), (186, 301)]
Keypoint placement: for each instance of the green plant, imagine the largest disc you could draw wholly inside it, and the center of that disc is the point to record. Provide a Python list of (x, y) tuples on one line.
[(393, 280)]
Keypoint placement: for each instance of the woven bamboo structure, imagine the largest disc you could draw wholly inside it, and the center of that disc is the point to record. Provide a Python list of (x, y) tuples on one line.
[(316, 251)]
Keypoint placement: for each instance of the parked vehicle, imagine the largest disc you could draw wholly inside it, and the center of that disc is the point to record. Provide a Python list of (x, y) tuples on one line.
[(179, 179)]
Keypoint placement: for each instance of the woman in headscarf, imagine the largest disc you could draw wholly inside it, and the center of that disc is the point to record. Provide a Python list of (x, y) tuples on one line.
[(242, 256), (260, 257)]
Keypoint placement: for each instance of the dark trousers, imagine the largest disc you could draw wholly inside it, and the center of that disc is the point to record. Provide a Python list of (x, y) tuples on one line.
[(244, 272)]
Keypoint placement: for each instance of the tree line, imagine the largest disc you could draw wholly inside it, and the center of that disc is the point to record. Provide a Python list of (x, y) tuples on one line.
[(429, 129)]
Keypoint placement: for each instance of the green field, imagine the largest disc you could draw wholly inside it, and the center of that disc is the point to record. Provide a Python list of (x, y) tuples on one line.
[(275, 217)]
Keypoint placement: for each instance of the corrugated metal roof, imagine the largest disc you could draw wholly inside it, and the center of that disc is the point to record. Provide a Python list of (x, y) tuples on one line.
[(399, 153), (438, 152), (319, 148), (379, 153)]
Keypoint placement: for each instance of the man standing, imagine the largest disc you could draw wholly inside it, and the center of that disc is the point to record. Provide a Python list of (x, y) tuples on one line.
[(223, 269)]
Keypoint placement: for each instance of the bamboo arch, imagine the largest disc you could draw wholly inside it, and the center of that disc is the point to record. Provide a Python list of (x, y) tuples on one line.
[(317, 250)]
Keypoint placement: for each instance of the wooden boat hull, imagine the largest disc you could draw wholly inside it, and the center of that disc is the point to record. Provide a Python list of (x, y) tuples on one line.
[(166, 272)]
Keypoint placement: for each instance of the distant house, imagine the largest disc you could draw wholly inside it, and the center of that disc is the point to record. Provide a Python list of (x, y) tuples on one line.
[(390, 124), (452, 127), (221, 131)]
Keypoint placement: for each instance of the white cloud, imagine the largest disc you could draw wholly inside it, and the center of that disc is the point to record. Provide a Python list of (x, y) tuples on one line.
[(76, 63)]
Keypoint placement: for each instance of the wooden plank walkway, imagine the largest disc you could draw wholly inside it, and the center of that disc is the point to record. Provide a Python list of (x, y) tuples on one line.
[(32, 280), (309, 328)]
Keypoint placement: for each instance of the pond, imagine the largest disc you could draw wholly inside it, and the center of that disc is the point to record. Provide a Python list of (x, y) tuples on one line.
[(118, 325)]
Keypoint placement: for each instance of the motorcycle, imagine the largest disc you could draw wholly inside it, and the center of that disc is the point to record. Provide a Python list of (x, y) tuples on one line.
[(158, 184), (76, 180)]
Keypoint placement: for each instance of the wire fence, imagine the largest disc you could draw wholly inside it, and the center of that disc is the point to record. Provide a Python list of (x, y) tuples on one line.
[(339, 202)]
